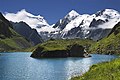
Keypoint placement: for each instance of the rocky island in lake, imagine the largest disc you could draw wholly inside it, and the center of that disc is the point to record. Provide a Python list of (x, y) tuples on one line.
[(61, 48)]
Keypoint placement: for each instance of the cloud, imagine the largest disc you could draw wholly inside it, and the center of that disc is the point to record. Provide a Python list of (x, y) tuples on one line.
[(24, 16), (109, 24), (47, 29)]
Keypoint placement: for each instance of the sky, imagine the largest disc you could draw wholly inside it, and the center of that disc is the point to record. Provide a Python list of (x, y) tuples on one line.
[(53, 10)]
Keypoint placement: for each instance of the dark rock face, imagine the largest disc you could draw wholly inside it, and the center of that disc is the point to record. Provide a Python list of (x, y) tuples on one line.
[(94, 34), (75, 33), (97, 34), (62, 24), (26, 31), (4, 30), (39, 53), (95, 22), (71, 51), (54, 54), (76, 51), (5, 20)]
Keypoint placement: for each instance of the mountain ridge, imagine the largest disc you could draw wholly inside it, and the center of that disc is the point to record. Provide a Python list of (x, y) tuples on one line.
[(85, 23)]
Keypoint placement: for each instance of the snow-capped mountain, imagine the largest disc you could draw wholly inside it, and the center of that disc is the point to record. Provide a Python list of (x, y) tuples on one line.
[(30, 19), (35, 22), (87, 26), (73, 25)]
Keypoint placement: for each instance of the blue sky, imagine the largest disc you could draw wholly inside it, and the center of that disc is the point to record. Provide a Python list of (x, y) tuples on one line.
[(53, 10)]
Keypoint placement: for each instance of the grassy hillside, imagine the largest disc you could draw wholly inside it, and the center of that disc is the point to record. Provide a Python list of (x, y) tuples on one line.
[(16, 43), (102, 71), (13, 42), (110, 44)]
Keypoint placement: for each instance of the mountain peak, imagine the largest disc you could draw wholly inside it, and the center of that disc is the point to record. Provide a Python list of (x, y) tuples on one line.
[(24, 12), (72, 15), (73, 12)]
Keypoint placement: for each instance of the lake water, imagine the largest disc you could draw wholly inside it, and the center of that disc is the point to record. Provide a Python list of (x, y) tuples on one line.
[(19, 66)]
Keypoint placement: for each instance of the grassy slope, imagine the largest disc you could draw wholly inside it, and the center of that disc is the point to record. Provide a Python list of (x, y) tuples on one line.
[(12, 44), (102, 71), (16, 42), (61, 44), (110, 44)]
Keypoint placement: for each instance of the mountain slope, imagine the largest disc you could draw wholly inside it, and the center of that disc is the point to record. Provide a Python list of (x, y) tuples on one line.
[(109, 44), (4, 29), (9, 39), (25, 30)]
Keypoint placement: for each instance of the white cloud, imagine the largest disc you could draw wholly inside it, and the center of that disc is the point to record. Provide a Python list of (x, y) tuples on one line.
[(109, 24), (47, 29), (24, 16)]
